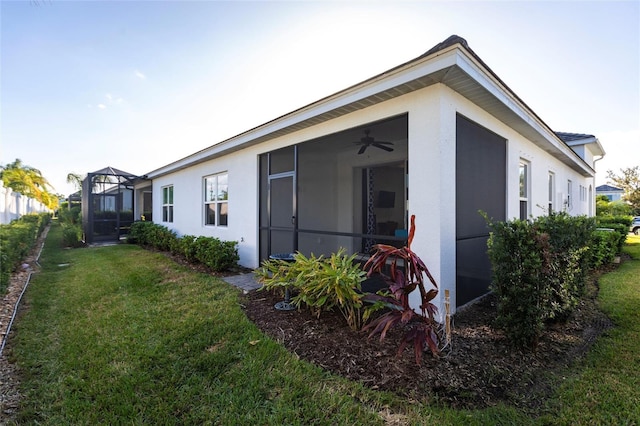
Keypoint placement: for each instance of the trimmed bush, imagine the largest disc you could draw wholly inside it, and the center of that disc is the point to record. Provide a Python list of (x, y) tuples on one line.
[(216, 254), (539, 271), (515, 257), (16, 240), (603, 248)]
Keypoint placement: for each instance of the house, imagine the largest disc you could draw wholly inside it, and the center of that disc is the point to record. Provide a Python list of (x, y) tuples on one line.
[(441, 137), (611, 192)]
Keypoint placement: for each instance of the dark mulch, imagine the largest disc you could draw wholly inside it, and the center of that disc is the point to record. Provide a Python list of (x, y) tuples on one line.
[(480, 369)]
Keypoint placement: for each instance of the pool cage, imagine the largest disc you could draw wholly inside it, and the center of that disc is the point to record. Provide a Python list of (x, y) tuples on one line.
[(107, 205)]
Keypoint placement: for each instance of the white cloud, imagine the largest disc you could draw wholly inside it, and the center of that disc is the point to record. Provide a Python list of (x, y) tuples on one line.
[(102, 106), (140, 75)]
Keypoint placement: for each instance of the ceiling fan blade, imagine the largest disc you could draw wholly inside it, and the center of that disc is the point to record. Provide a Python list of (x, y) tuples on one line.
[(362, 149), (386, 148)]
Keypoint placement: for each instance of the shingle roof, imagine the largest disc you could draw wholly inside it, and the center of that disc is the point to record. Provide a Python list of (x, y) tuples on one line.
[(569, 137), (608, 188)]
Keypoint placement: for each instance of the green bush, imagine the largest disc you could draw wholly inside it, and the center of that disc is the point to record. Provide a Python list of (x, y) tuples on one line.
[(603, 248), (16, 240), (569, 261), (539, 271), (72, 216), (620, 224), (518, 281), (320, 283), (216, 254), (71, 235)]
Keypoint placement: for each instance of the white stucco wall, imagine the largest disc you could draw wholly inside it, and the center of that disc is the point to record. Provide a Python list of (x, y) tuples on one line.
[(432, 158)]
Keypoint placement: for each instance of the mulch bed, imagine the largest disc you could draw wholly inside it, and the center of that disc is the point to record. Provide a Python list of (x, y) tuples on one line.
[(9, 377), (480, 368)]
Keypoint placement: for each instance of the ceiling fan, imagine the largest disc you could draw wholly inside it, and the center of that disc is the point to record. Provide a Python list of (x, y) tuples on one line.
[(366, 141)]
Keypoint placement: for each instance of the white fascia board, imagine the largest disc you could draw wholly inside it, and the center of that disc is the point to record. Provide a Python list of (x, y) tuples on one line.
[(599, 150), (388, 80)]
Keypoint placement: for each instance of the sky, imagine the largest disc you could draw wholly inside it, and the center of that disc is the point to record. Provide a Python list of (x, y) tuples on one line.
[(137, 85)]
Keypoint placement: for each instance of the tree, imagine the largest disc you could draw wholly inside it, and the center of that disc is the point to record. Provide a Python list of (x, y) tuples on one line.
[(76, 180), (29, 182), (629, 181)]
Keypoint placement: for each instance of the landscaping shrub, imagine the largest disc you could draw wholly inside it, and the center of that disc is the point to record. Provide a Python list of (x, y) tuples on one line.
[(16, 240), (71, 216), (539, 270), (71, 235), (620, 224), (603, 248), (407, 272), (186, 248), (216, 254), (514, 251), (569, 260), (319, 283)]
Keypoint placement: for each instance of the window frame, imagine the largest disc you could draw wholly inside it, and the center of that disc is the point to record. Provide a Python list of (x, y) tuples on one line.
[(212, 197), (167, 203), (569, 194), (552, 191), (524, 189)]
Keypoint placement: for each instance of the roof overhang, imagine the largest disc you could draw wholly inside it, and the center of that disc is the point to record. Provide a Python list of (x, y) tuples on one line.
[(594, 144), (454, 65)]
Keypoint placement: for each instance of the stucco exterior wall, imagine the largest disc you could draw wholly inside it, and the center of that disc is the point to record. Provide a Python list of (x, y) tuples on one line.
[(431, 156)]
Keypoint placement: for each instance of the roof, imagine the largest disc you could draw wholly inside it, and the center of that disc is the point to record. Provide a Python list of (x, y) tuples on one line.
[(452, 63), (570, 137), (111, 171), (576, 139), (608, 188)]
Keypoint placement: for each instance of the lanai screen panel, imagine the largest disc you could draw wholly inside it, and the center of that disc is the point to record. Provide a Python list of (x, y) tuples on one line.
[(480, 186), (325, 209)]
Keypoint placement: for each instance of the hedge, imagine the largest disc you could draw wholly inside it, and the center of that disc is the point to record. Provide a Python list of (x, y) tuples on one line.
[(539, 269), (216, 254), (16, 241)]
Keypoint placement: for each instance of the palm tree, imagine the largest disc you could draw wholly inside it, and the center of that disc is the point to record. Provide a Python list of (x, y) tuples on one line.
[(28, 181), (76, 180)]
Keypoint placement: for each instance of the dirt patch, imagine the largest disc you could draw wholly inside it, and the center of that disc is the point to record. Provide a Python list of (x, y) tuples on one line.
[(480, 369)]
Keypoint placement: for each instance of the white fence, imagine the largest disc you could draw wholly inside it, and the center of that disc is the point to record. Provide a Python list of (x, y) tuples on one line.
[(13, 205)]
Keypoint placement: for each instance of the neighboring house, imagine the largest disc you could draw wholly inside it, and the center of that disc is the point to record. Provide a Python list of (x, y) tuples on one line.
[(611, 192), (441, 137)]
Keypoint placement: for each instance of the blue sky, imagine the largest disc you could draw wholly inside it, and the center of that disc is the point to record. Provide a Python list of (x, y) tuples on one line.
[(139, 84)]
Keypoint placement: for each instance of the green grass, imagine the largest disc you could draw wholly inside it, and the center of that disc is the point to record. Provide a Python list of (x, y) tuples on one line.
[(125, 336)]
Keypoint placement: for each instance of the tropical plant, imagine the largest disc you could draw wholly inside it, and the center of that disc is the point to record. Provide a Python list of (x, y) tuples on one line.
[(320, 283), (406, 274), (29, 182)]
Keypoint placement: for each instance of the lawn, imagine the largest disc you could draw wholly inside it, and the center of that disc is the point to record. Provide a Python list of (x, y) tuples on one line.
[(120, 335)]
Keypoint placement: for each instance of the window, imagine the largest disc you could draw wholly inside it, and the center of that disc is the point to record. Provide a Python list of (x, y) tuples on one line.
[(552, 190), (524, 190), (216, 200), (583, 193), (167, 203), (569, 194)]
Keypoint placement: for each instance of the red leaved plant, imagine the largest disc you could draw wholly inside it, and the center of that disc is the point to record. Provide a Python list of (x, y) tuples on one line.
[(421, 327)]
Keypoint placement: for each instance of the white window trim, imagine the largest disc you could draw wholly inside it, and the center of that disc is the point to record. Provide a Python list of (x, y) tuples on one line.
[(168, 204), (551, 192), (527, 188), (215, 201)]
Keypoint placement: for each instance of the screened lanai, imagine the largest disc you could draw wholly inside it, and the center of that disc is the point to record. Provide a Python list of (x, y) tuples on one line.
[(107, 204), (347, 189)]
